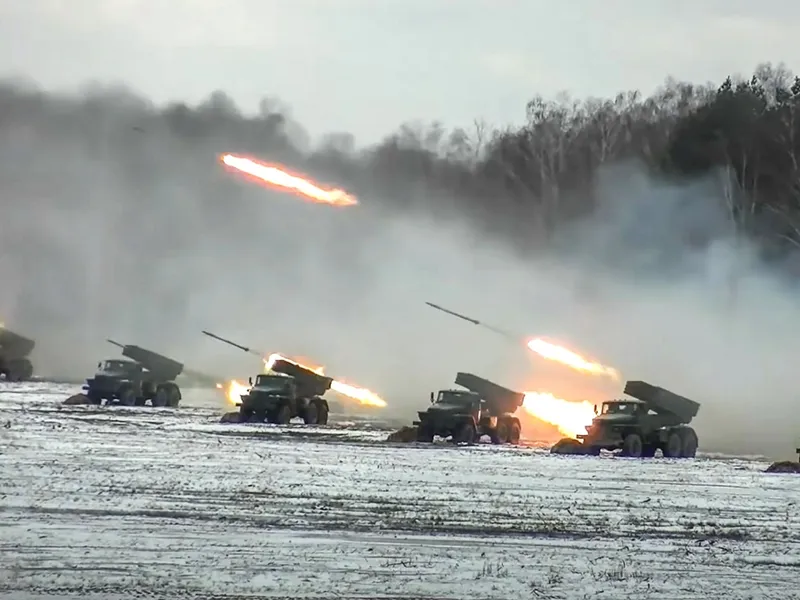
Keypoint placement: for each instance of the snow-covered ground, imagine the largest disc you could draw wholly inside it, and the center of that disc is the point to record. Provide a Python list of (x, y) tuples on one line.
[(142, 503)]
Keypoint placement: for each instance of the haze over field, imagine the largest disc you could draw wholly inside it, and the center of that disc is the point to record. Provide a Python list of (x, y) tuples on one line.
[(586, 225)]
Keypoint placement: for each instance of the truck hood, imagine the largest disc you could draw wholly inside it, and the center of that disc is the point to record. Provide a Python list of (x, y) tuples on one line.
[(444, 409), (106, 379), (256, 393)]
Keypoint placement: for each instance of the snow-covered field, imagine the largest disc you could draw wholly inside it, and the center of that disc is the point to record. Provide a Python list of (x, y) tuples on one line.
[(141, 503)]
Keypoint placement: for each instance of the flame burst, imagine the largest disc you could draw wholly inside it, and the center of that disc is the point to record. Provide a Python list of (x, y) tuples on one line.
[(571, 418), (233, 390), (361, 395), (570, 359), (277, 177)]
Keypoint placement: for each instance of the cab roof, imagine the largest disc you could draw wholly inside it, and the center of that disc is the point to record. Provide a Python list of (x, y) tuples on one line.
[(624, 401), (277, 374)]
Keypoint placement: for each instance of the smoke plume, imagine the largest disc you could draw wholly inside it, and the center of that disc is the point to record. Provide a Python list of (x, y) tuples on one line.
[(118, 222)]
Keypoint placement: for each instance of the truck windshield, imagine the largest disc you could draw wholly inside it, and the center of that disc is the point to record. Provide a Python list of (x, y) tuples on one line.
[(618, 407), (455, 397), (116, 366), (271, 383)]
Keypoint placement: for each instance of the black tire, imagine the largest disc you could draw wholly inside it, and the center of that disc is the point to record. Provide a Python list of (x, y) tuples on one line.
[(632, 445), (322, 412), (311, 414), (515, 432), (283, 415), (502, 434), (149, 389), (673, 448), (689, 443), (173, 395), (466, 434), (127, 397), (161, 398)]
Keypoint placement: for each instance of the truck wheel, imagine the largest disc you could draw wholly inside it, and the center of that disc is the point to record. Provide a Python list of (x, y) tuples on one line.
[(502, 434), (466, 434), (149, 389), (632, 445), (161, 398), (674, 446), (127, 397), (322, 412), (515, 431), (689, 443), (283, 415), (311, 414), (173, 395)]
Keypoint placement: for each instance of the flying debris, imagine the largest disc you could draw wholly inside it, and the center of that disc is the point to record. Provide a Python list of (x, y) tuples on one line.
[(279, 178)]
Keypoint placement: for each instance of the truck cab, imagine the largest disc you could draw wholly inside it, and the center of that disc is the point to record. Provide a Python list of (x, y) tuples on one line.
[(119, 368), (621, 411), (456, 401), (270, 385), (615, 418), (111, 375), (450, 413)]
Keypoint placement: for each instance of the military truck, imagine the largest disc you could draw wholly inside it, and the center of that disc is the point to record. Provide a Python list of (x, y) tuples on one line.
[(287, 391), (14, 352), (482, 408), (652, 419), (147, 376)]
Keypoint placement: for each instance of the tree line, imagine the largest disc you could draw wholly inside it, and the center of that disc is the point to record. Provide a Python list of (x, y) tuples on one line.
[(521, 182)]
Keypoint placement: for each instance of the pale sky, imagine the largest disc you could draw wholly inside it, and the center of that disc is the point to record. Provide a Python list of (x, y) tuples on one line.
[(364, 66)]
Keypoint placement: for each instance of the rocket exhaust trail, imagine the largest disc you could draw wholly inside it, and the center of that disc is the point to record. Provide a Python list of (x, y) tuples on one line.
[(497, 330)]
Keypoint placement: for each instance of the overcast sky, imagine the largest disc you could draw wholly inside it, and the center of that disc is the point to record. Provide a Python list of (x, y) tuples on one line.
[(364, 66)]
